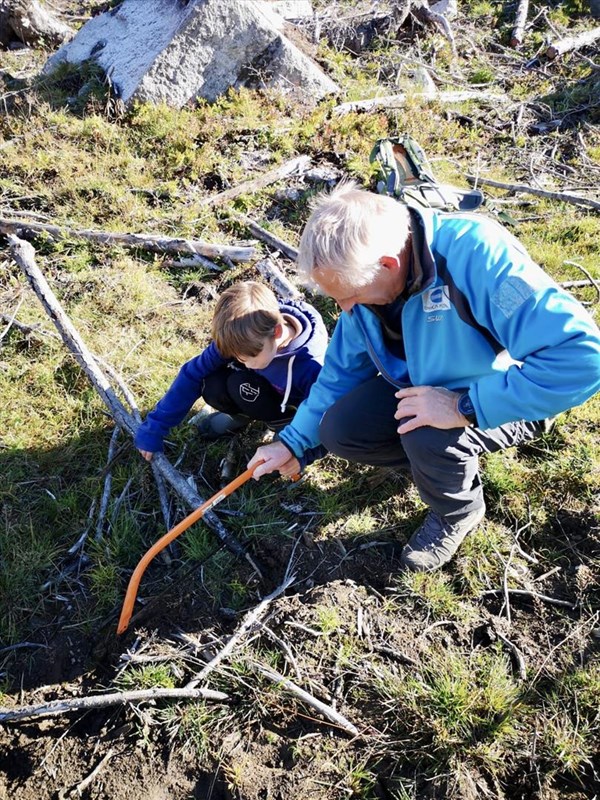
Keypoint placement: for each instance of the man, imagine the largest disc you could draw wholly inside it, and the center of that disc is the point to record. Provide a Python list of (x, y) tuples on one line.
[(452, 342)]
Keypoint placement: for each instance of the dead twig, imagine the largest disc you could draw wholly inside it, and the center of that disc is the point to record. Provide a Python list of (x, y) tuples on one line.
[(533, 595), (78, 790), (590, 278), (327, 711), (563, 197), (518, 655), (248, 622), (56, 707), (107, 485), (296, 166)]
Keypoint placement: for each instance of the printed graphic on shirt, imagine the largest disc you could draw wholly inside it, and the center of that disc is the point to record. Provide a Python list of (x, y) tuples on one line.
[(249, 393), (436, 299)]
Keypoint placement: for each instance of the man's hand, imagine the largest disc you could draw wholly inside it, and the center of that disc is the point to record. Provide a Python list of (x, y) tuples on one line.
[(428, 405), (146, 454), (277, 458)]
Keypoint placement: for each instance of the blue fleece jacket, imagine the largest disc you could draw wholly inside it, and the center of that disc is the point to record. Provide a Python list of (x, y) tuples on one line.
[(307, 348), (484, 318)]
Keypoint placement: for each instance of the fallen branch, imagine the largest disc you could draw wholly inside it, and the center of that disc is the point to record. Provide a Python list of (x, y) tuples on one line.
[(281, 285), (78, 790), (582, 39), (425, 14), (56, 707), (248, 622), (518, 655), (516, 40), (295, 166), (24, 255), (400, 100), (563, 197), (533, 595), (327, 711), (265, 236), (156, 244)]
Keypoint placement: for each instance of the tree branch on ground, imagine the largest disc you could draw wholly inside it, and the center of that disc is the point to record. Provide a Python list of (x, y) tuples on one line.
[(90, 702), (561, 46), (562, 197), (400, 100), (154, 243), (516, 40), (296, 166)]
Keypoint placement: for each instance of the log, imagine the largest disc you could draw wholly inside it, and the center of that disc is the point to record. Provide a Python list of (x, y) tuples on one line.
[(296, 166), (32, 22), (516, 40), (563, 197), (582, 39), (24, 255), (399, 100), (154, 243)]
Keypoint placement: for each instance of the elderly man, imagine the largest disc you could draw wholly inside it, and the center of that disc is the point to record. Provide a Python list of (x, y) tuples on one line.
[(452, 342)]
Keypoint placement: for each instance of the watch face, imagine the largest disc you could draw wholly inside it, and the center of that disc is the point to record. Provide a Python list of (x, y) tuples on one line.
[(465, 406)]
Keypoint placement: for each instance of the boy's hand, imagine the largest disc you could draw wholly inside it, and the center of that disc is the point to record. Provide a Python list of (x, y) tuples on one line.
[(276, 457), (146, 454)]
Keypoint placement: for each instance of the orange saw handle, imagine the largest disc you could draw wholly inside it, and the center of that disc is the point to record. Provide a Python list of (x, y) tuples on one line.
[(134, 581)]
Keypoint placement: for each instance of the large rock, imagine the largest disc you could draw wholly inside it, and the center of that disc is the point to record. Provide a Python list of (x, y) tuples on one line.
[(174, 51)]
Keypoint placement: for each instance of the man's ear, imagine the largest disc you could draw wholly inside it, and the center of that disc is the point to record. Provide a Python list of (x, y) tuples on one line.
[(390, 262), (277, 330)]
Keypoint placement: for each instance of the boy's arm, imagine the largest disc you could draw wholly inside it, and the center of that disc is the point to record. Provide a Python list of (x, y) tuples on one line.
[(180, 397)]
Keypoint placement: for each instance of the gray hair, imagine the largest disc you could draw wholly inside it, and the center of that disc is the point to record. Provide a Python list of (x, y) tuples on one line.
[(348, 232)]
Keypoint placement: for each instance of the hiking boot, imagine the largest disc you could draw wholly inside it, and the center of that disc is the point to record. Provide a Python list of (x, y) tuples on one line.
[(437, 540), (220, 424)]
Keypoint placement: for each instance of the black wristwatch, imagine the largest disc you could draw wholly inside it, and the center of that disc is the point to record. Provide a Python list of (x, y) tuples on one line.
[(465, 407)]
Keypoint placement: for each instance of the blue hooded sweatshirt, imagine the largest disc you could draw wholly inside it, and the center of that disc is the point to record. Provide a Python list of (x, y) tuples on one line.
[(291, 373)]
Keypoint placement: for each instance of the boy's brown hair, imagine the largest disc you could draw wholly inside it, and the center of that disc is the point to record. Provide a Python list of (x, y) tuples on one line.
[(245, 315)]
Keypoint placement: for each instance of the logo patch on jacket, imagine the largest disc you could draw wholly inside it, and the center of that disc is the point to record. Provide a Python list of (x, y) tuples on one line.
[(436, 299)]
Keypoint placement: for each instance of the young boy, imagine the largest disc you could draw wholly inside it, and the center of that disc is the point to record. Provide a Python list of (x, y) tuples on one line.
[(264, 357)]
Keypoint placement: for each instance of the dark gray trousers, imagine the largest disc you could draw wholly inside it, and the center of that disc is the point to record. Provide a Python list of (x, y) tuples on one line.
[(444, 463)]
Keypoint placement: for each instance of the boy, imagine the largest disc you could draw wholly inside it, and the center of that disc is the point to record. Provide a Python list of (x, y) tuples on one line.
[(264, 357)]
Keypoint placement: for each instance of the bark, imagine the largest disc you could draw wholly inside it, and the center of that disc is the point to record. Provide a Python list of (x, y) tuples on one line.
[(520, 20), (583, 39), (32, 23)]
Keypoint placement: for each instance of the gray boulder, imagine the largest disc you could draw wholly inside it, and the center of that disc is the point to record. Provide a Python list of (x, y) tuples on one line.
[(174, 51)]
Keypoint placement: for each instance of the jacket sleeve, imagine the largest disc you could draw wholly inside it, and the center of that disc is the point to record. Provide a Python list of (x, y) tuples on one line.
[(347, 364), (552, 337), (180, 397)]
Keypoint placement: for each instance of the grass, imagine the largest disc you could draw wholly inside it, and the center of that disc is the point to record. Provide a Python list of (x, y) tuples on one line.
[(461, 710)]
